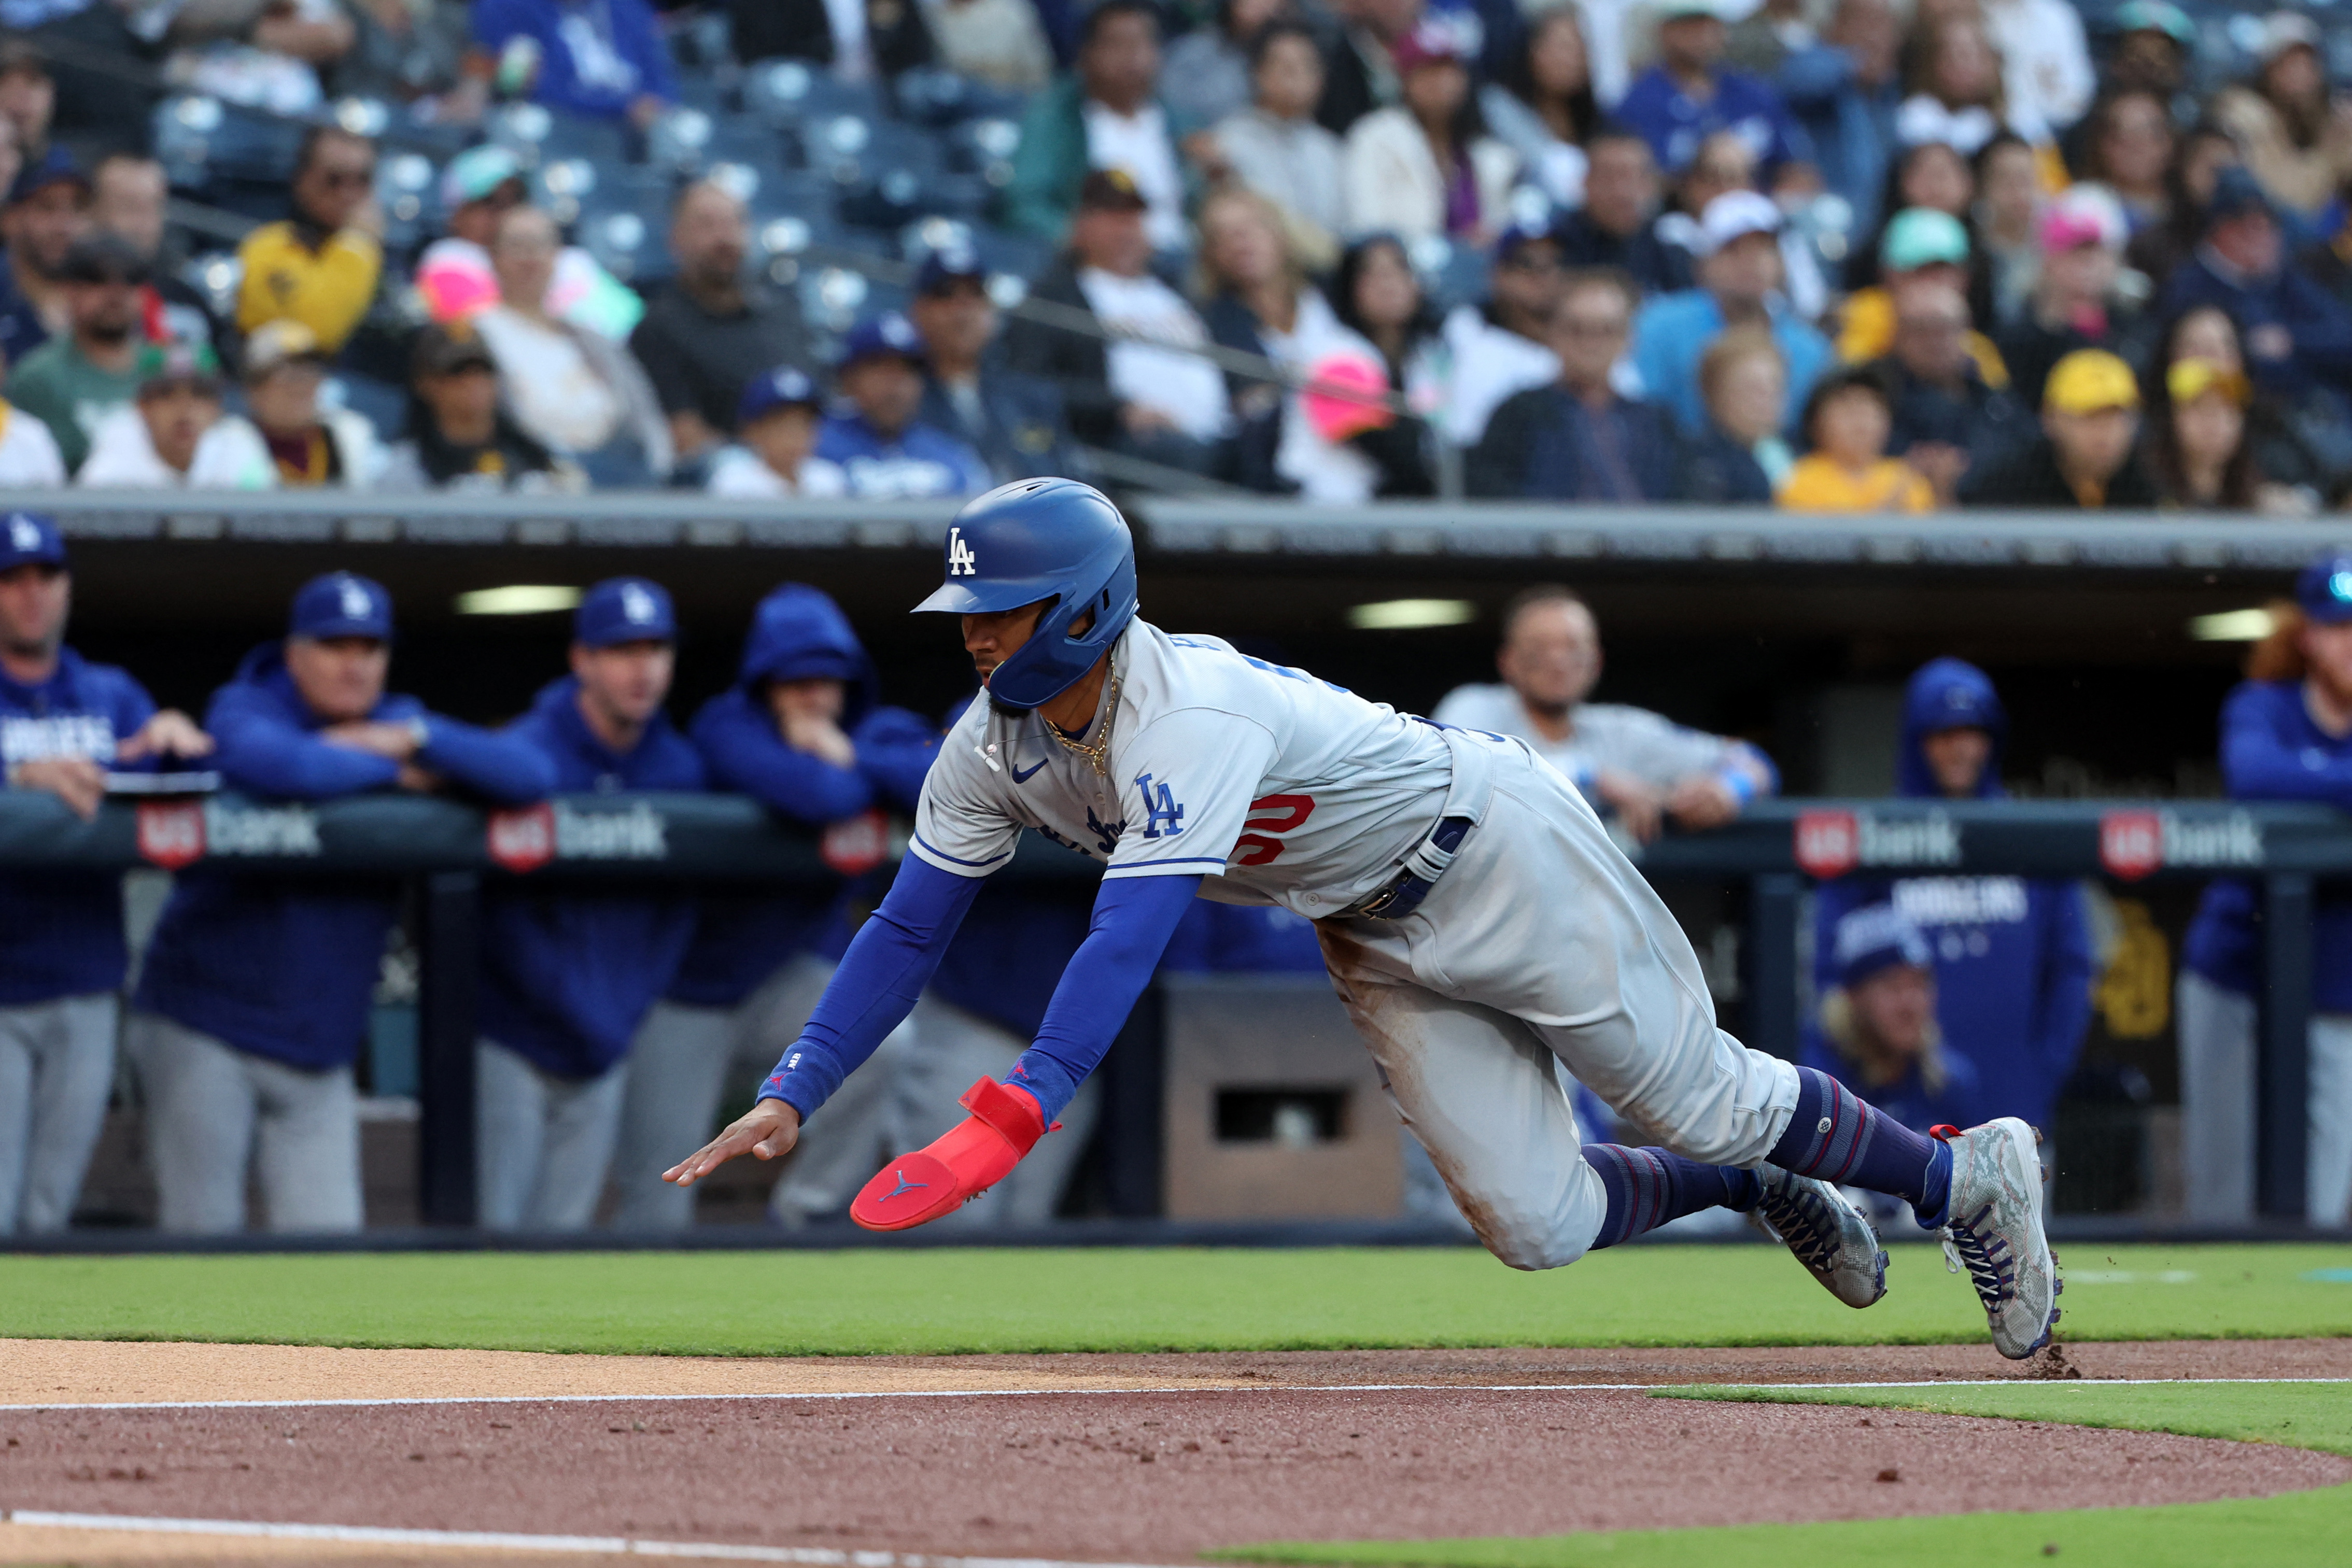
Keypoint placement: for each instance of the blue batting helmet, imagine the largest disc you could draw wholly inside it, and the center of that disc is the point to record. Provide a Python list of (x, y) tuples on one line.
[(1042, 539)]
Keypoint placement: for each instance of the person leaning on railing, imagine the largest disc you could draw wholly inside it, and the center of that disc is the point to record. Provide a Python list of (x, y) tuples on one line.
[(2286, 735), (802, 732), (65, 724), (254, 998), (569, 973)]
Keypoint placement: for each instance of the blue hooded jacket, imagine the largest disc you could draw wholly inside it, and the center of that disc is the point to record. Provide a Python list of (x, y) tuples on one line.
[(569, 968), (797, 633), (61, 931), (1959, 1103), (2270, 751), (2013, 963), (284, 966)]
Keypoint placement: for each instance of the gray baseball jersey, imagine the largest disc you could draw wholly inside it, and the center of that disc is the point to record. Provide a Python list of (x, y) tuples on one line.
[(1277, 786), (1651, 746)]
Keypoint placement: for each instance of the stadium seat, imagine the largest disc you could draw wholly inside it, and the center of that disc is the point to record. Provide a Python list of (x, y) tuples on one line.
[(935, 95), (201, 140), (784, 93), (627, 231), (407, 189), (985, 148)]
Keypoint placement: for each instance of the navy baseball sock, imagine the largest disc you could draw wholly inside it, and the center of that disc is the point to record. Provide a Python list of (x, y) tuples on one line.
[(1649, 1186), (1837, 1137)]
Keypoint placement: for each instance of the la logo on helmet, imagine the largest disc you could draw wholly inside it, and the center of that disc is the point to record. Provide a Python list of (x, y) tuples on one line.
[(962, 562), (637, 604), (23, 533), (355, 601)]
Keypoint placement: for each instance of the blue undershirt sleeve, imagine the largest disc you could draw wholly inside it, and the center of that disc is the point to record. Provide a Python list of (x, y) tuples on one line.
[(1134, 918), (888, 963)]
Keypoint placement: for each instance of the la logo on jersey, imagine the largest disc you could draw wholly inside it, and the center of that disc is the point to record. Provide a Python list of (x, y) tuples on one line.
[(962, 562)]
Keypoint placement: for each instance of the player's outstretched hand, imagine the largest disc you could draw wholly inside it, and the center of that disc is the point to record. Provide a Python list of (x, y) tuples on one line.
[(768, 1130)]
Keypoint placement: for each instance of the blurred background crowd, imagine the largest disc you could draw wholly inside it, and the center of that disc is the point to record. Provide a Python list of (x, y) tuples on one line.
[(1838, 254)]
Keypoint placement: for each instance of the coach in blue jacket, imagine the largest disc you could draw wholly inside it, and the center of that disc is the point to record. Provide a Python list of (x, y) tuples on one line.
[(801, 731), (63, 724), (2286, 735), (568, 971), (254, 995), (2013, 955)]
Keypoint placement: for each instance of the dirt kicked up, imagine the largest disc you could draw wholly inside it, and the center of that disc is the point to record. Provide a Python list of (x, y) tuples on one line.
[(1143, 1460)]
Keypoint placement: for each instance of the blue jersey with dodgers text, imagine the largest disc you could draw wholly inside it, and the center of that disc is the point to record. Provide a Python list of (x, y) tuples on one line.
[(61, 931)]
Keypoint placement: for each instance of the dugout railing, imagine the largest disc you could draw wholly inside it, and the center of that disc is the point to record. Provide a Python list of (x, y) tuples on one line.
[(449, 850)]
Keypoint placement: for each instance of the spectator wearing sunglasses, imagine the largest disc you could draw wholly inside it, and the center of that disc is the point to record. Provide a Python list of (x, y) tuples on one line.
[(320, 267)]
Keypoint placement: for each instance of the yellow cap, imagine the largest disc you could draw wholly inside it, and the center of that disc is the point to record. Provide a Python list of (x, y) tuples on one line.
[(2190, 379), (2089, 381)]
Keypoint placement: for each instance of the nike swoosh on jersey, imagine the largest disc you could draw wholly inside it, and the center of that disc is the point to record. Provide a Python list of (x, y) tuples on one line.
[(1021, 778)]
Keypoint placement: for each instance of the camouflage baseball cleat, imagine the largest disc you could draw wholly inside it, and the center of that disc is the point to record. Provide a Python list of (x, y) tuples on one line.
[(1994, 1232), (1828, 1235)]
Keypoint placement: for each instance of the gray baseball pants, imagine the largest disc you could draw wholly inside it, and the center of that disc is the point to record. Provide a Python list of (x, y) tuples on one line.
[(543, 1142), (679, 1066), (213, 1109), (1542, 942), (2216, 1030), (57, 1068)]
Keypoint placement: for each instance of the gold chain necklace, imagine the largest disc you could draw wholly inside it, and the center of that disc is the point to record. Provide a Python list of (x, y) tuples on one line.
[(1097, 755)]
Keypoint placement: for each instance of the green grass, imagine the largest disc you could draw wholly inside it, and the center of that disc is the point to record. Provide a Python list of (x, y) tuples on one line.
[(2300, 1530), (930, 1301)]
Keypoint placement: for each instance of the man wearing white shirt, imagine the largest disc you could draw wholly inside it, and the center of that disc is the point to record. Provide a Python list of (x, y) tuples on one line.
[(1105, 116), (774, 451), (1636, 767), (1147, 392)]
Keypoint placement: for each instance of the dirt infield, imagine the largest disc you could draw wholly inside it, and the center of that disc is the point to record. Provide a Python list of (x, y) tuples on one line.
[(1148, 1458)]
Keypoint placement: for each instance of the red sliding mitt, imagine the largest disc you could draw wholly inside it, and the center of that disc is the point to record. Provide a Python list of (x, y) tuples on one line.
[(967, 1160)]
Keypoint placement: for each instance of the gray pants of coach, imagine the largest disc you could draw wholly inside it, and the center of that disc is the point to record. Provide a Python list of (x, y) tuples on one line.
[(212, 1110), (543, 1142), (2217, 1123), (56, 1066), (680, 1067)]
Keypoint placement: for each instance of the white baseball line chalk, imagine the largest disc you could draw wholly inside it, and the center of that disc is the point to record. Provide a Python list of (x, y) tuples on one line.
[(501, 1541), (1098, 1393)]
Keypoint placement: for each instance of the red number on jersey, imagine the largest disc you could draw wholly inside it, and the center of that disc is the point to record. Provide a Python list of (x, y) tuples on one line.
[(1270, 814)]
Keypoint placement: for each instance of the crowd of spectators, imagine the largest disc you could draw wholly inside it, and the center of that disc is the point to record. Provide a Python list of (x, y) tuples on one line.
[(1397, 214)]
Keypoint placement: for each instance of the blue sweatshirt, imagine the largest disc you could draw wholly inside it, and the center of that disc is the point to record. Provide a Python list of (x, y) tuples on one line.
[(797, 633), (61, 931), (917, 464), (2270, 751), (2013, 964), (569, 968), (284, 966), (595, 57)]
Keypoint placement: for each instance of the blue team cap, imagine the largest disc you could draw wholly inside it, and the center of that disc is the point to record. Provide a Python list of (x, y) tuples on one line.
[(1525, 231), (624, 610), (784, 387), (1877, 937), (888, 333), (28, 538), (342, 604), (2324, 591), (951, 263), (55, 167)]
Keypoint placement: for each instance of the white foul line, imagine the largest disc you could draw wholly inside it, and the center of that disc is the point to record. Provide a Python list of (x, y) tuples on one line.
[(394, 1402), (501, 1541)]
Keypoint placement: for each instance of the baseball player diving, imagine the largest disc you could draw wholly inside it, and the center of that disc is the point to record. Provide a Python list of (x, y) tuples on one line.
[(1474, 916)]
